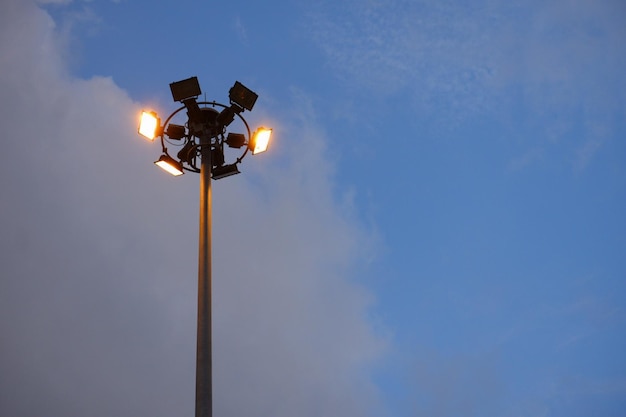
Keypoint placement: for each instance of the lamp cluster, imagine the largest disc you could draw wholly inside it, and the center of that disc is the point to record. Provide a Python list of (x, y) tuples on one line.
[(206, 126)]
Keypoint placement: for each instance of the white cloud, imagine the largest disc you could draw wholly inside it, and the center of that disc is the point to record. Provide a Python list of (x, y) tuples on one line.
[(97, 299), (422, 48), (543, 66), (241, 30), (452, 47)]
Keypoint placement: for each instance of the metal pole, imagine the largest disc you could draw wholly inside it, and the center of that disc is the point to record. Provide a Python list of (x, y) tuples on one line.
[(204, 389)]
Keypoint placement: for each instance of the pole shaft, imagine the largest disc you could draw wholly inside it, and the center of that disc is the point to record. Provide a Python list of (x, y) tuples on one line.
[(204, 368)]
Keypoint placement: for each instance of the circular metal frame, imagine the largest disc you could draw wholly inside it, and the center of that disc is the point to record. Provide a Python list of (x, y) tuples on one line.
[(217, 140)]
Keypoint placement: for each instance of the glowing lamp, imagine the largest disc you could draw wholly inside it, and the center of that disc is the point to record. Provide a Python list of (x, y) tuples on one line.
[(149, 125), (170, 165), (260, 140)]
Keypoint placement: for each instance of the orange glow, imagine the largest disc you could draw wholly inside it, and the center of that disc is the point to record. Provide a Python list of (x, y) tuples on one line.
[(170, 166), (148, 125), (261, 140)]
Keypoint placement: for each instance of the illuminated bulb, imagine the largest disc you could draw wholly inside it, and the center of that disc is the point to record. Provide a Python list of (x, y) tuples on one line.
[(170, 165), (260, 140), (148, 125)]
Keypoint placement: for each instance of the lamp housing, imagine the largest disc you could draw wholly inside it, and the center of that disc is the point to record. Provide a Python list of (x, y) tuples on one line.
[(260, 140), (235, 140), (175, 132), (185, 89), (224, 171), (242, 96), (149, 125), (187, 152), (170, 165)]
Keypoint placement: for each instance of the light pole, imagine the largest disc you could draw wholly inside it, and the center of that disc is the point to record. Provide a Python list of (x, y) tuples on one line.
[(203, 137)]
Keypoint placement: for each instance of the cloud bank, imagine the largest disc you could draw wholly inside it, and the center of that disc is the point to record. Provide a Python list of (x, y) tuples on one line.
[(98, 254)]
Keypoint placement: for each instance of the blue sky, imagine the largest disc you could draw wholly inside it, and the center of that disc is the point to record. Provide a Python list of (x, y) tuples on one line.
[(443, 229)]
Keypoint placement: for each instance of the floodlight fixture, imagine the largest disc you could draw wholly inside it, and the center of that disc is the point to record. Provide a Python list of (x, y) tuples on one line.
[(170, 165), (225, 171), (175, 131), (235, 140), (260, 140), (185, 89), (149, 125), (188, 152), (217, 156), (242, 96)]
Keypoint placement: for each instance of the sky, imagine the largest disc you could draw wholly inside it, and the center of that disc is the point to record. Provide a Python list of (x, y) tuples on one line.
[(437, 228)]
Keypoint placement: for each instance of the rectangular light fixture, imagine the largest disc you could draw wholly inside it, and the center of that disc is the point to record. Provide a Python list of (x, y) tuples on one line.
[(260, 140), (235, 140), (149, 125), (242, 96), (224, 171), (170, 165), (175, 131), (184, 89)]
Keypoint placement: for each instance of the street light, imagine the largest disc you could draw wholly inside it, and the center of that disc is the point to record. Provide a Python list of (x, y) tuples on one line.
[(202, 139)]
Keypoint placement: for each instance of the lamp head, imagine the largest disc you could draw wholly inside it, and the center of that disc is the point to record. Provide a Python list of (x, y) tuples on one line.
[(149, 125), (224, 171), (235, 140), (187, 153), (242, 96), (185, 89), (260, 140), (170, 165), (175, 131)]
